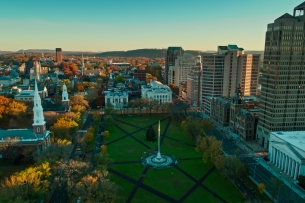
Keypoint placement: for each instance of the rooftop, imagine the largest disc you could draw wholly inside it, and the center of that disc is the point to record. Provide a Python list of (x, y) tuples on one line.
[(295, 138)]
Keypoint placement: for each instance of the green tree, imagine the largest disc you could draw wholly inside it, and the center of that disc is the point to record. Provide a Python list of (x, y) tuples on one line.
[(119, 78), (210, 147), (150, 134), (109, 113), (233, 166), (275, 185)]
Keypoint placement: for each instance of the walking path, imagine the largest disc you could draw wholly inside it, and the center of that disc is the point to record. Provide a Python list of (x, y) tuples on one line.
[(139, 183)]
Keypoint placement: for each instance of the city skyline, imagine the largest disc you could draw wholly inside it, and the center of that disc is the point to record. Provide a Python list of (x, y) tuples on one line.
[(119, 25)]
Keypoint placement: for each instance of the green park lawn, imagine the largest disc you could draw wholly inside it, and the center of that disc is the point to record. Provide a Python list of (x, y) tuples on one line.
[(171, 181)]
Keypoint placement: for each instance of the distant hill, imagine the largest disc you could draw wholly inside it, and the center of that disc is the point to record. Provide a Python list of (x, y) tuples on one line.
[(52, 51), (149, 53)]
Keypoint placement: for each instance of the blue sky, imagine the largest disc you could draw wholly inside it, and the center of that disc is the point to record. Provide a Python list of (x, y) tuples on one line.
[(108, 25)]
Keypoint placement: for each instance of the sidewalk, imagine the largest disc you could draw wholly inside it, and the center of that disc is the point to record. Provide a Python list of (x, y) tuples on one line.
[(289, 181)]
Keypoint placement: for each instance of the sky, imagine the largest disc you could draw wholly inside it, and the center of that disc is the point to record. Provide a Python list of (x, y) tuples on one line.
[(121, 25)]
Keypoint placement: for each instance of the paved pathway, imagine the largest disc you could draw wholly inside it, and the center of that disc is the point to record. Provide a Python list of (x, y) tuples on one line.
[(139, 183)]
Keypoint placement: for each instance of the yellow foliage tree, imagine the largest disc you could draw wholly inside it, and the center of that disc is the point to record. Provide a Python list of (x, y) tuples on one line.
[(27, 185), (261, 188), (104, 149), (63, 127), (211, 148), (106, 133), (11, 107)]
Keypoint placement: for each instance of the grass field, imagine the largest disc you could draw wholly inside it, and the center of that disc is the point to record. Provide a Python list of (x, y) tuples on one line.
[(170, 182)]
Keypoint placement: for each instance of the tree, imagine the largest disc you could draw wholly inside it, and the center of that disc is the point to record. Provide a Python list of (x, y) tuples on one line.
[(92, 95), (119, 79), (50, 118), (210, 147), (89, 135), (79, 99), (29, 185), (79, 87), (150, 134), (64, 127), (69, 68), (11, 107), (94, 188), (261, 188), (233, 166), (275, 185), (109, 113), (106, 133), (104, 149), (132, 104), (301, 180), (194, 127), (57, 151)]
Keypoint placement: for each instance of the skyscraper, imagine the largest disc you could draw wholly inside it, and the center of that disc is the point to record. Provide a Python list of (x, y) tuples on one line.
[(171, 55), (193, 83), (283, 78), (58, 55), (177, 74), (224, 71)]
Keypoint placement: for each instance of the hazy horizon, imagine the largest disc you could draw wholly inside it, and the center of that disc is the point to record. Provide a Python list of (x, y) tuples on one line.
[(101, 26)]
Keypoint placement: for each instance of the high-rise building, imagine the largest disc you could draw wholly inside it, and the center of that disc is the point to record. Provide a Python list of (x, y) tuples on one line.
[(171, 55), (193, 83), (58, 55), (177, 74), (283, 78), (224, 71)]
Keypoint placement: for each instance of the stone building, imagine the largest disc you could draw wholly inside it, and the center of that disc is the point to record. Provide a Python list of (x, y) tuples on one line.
[(244, 116), (157, 91), (220, 110)]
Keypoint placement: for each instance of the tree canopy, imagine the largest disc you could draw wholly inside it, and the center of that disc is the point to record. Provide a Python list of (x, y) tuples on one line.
[(11, 107)]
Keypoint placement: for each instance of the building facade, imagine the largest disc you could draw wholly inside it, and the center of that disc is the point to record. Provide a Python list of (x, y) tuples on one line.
[(224, 71), (117, 98), (58, 55), (140, 74), (221, 110), (287, 152), (193, 83), (157, 91), (177, 74), (171, 55), (282, 83)]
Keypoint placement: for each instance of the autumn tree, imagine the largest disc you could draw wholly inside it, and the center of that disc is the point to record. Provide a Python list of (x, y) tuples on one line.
[(78, 102), (64, 127), (106, 133), (69, 68), (29, 185), (50, 118), (261, 188), (79, 87), (89, 135), (59, 150), (210, 147), (11, 107), (194, 127), (94, 187)]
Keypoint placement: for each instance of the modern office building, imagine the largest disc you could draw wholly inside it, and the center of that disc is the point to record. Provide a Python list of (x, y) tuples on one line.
[(58, 55), (193, 83), (224, 71), (171, 55), (283, 77), (177, 74)]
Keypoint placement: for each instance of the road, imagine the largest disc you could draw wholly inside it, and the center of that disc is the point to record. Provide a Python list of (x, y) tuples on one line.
[(59, 195), (259, 173)]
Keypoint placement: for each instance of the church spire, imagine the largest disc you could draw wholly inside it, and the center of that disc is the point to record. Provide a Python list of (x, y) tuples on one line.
[(39, 122), (83, 65)]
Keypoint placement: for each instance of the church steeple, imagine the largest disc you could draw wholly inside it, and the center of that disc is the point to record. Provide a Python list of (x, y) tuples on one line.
[(83, 65), (39, 122), (65, 96)]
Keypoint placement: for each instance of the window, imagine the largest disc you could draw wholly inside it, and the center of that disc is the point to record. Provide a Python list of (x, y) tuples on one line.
[(38, 129)]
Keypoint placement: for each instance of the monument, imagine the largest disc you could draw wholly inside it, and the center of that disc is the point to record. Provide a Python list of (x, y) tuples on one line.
[(157, 159)]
